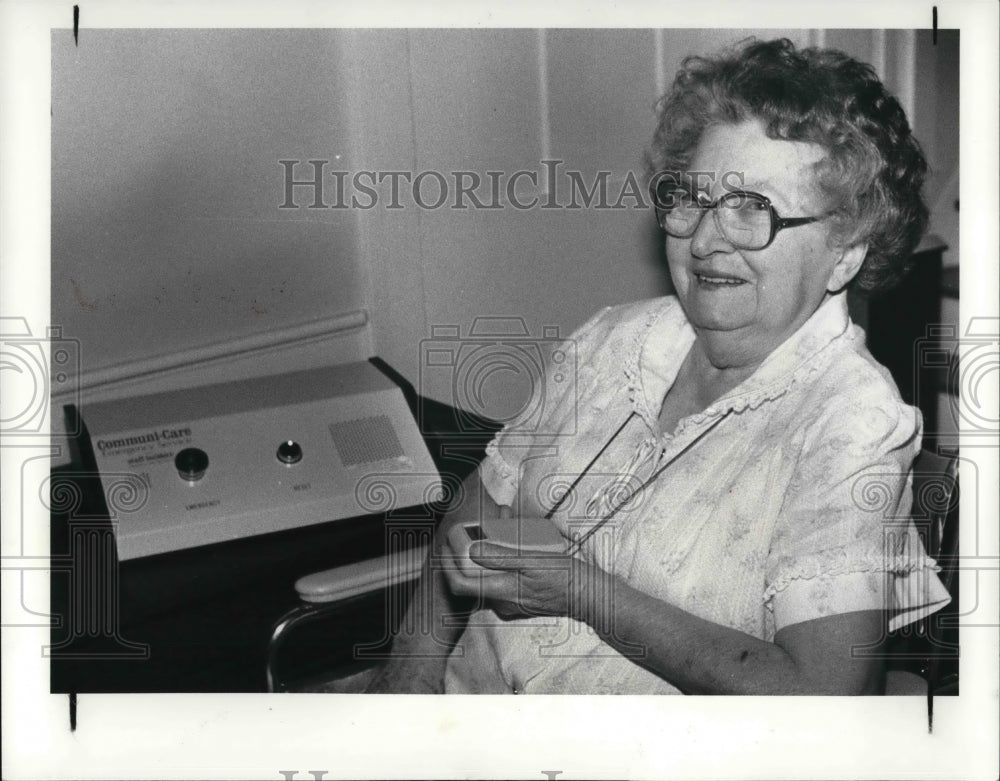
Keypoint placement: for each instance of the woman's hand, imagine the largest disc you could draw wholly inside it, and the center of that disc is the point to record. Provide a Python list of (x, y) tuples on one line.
[(513, 583)]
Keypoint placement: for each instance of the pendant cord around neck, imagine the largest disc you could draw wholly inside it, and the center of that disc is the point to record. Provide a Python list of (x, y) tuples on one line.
[(579, 477), (578, 543)]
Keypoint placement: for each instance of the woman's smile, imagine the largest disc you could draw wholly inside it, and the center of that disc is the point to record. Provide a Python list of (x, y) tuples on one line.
[(713, 280)]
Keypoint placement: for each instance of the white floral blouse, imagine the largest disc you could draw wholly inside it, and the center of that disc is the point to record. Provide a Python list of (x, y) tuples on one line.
[(786, 500)]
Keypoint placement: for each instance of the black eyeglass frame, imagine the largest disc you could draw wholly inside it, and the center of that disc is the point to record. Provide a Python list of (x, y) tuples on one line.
[(778, 223)]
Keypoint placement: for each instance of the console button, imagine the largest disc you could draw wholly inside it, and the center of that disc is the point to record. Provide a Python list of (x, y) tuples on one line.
[(191, 464), (289, 452)]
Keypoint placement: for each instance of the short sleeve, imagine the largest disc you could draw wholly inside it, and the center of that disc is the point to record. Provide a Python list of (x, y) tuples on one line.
[(845, 540), (551, 409)]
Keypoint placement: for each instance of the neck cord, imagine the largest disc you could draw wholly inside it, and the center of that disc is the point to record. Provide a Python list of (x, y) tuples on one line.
[(578, 544), (579, 477)]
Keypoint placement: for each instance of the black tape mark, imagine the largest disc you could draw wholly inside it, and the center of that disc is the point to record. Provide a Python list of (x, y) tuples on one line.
[(72, 711), (934, 27), (76, 25)]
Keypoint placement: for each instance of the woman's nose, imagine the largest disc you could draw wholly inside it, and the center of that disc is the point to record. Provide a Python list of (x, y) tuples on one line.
[(708, 238)]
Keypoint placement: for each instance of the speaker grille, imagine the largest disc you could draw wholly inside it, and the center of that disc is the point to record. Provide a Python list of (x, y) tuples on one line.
[(365, 440)]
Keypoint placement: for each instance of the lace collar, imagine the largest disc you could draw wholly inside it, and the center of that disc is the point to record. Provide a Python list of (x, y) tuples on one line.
[(665, 339)]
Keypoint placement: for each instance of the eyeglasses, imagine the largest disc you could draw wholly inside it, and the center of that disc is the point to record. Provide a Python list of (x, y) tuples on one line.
[(746, 219)]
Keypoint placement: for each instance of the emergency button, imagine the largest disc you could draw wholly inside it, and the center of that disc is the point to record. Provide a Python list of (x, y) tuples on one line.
[(191, 464)]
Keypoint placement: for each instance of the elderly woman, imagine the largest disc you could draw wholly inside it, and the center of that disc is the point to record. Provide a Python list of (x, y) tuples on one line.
[(730, 437)]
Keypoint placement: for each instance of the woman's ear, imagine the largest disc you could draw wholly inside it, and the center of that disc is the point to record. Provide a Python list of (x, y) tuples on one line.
[(847, 267)]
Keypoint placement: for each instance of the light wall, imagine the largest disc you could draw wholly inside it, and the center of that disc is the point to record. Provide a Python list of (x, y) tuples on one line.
[(165, 229)]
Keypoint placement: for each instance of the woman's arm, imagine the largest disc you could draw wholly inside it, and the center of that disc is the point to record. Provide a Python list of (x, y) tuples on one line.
[(701, 657), (697, 656), (422, 644)]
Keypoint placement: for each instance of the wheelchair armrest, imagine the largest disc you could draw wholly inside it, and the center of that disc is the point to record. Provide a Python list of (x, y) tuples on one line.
[(362, 577), (322, 595)]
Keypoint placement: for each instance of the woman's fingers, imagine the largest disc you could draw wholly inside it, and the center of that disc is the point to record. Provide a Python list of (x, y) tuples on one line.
[(503, 557), (469, 580), (514, 583), (496, 557), (460, 581)]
